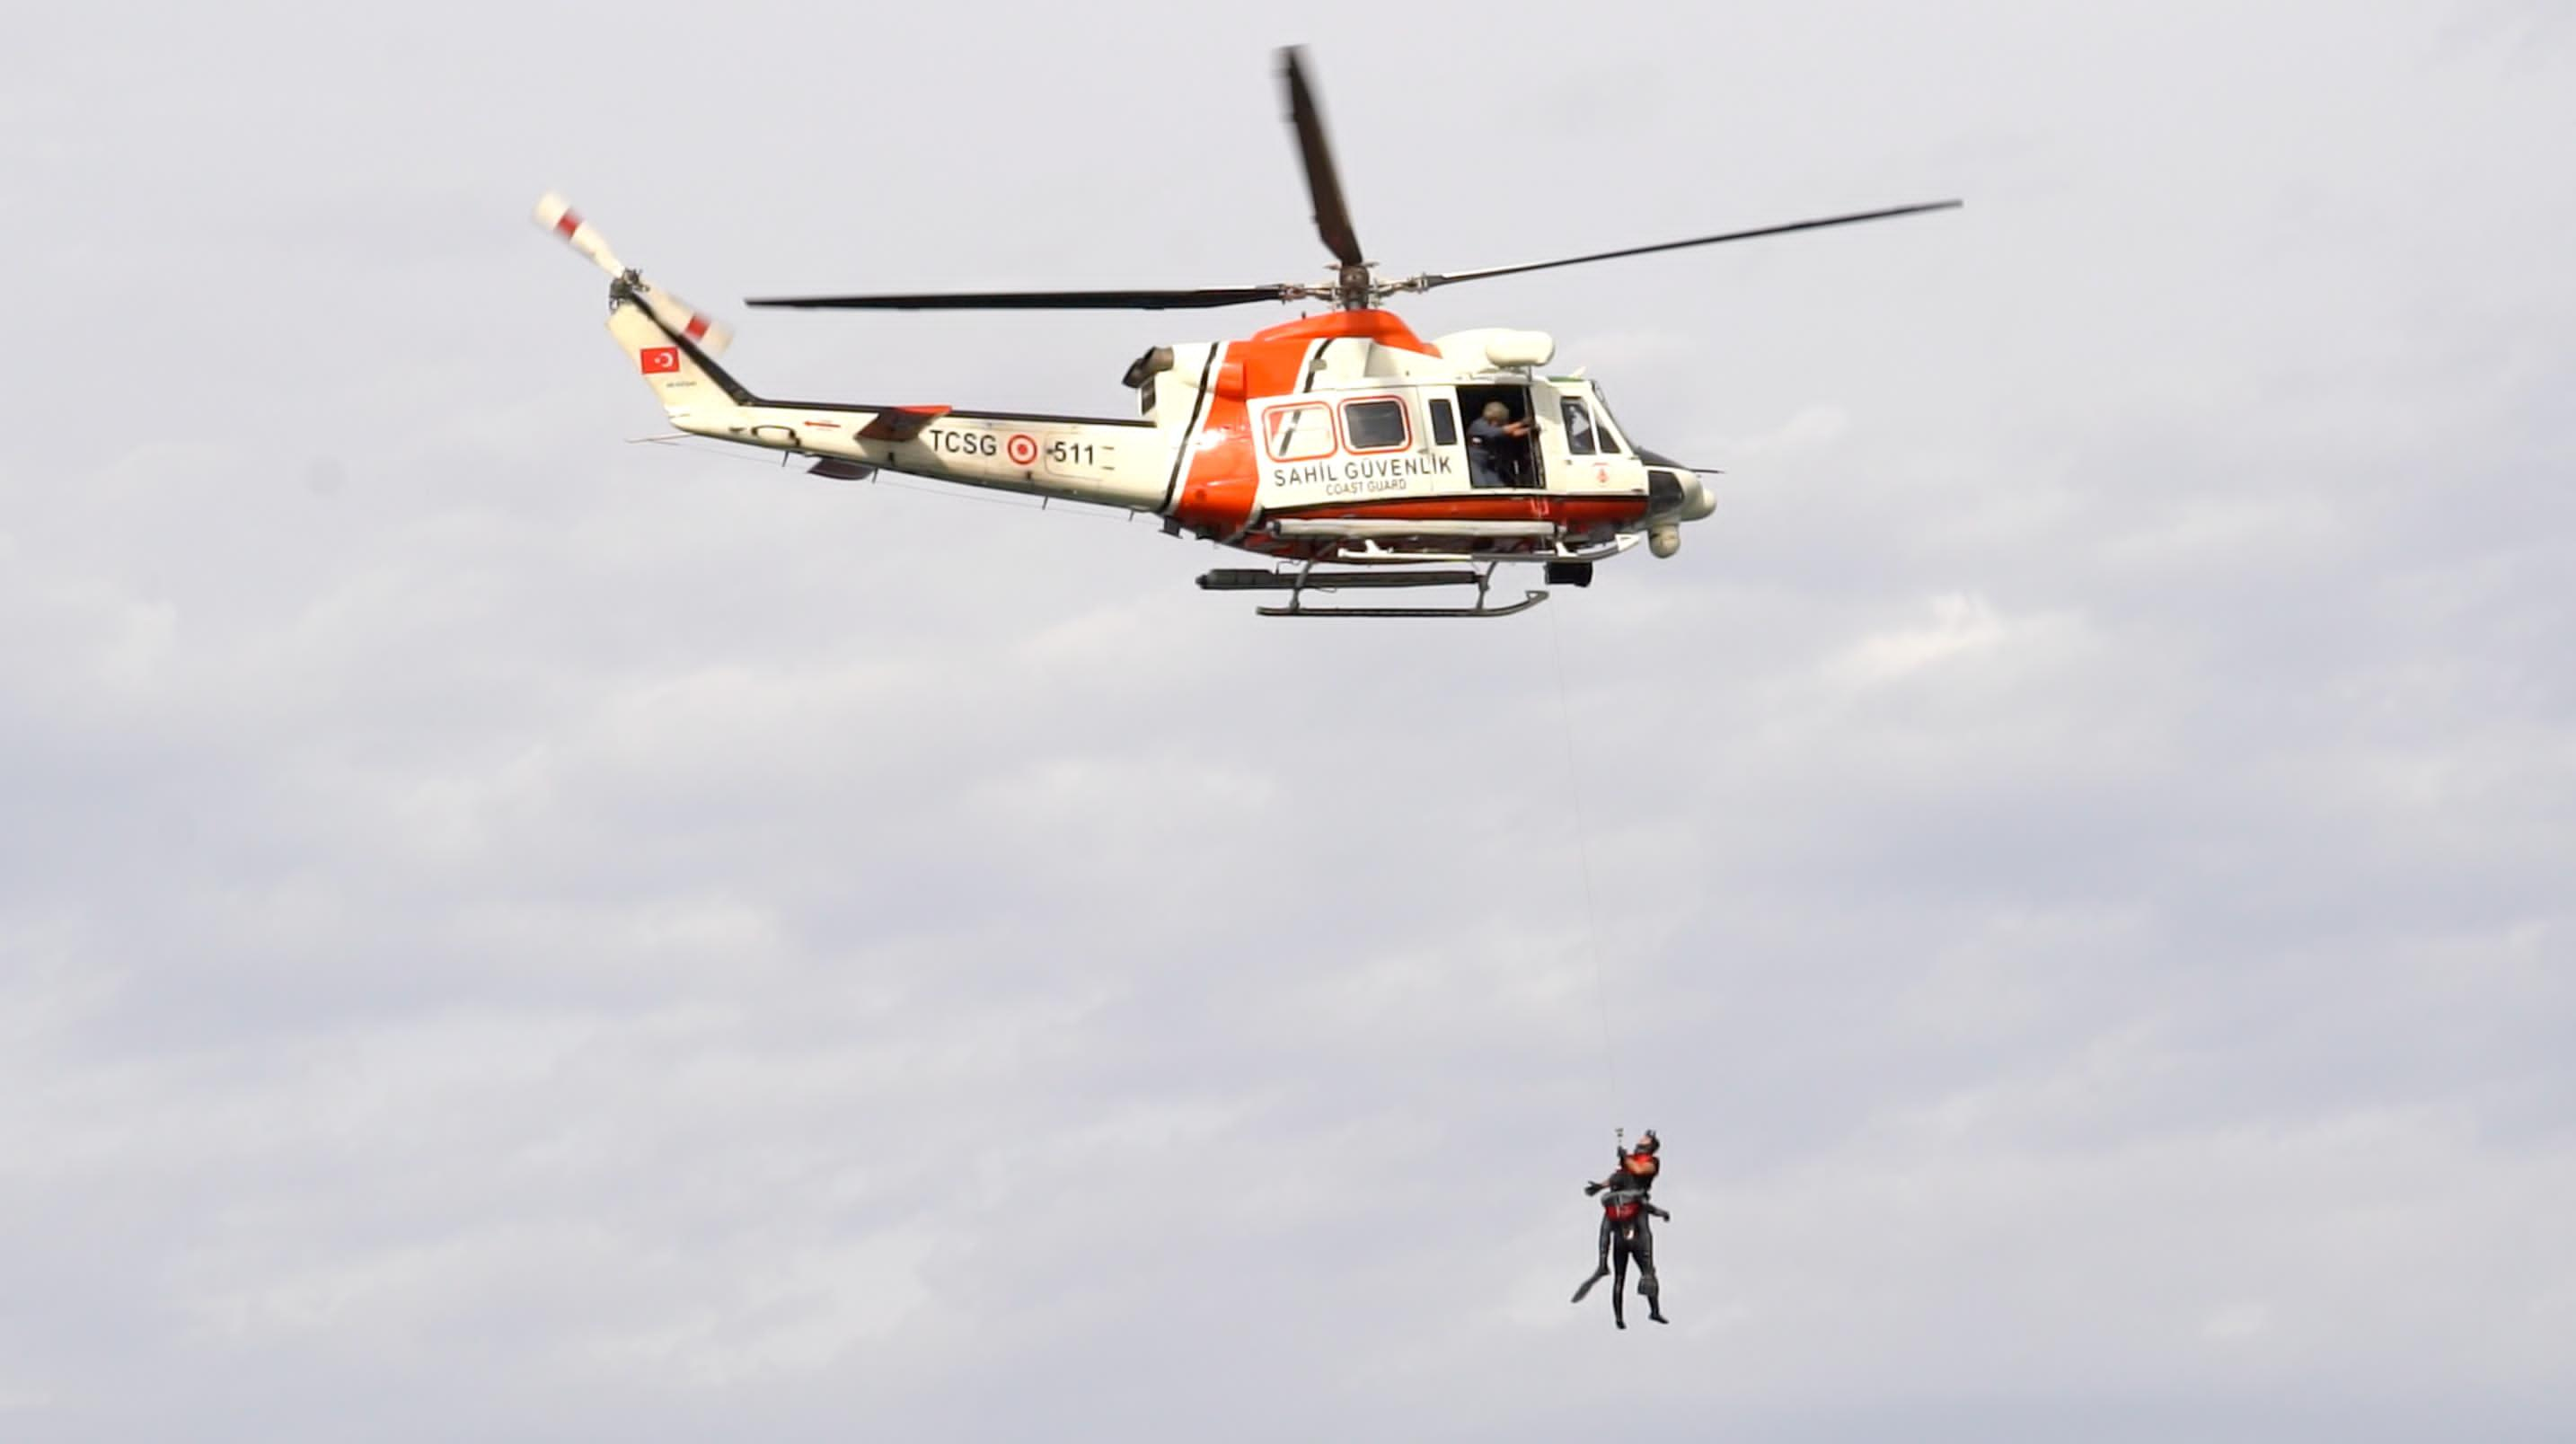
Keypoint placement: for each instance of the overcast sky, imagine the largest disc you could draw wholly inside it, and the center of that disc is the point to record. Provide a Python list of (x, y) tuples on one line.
[(508, 934)]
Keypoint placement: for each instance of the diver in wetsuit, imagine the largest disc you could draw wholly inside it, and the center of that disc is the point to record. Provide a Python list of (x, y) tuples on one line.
[(1626, 1232)]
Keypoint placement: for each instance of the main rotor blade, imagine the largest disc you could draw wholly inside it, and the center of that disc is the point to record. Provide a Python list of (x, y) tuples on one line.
[(1332, 217), (1201, 299), (1425, 283)]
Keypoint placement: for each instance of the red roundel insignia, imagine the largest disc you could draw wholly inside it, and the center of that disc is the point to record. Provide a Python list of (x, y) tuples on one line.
[(1022, 448)]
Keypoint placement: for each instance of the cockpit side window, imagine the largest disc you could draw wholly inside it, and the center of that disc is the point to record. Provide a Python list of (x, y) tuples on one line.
[(1301, 433), (1579, 438)]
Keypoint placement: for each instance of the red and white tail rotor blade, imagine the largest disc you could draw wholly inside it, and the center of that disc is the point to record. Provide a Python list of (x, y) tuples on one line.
[(711, 335), (557, 215)]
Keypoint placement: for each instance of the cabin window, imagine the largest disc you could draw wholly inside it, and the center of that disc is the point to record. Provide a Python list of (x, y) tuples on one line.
[(1579, 438), (1301, 433), (1377, 424), (1444, 423)]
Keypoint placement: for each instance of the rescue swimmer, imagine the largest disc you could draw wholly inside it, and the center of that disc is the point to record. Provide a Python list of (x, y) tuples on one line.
[(1626, 1232)]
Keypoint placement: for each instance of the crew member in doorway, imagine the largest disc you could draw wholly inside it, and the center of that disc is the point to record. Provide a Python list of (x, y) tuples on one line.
[(1497, 447), (1626, 1232)]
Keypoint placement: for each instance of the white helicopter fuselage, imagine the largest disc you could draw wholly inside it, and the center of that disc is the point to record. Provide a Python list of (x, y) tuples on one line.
[(1339, 437)]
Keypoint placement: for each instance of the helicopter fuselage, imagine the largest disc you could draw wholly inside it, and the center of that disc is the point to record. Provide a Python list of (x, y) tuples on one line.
[(1339, 436)]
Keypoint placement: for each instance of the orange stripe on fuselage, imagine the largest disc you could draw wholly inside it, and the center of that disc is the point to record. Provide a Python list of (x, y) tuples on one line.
[(1217, 494)]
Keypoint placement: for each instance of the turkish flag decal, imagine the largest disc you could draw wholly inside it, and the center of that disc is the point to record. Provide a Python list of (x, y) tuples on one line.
[(659, 360)]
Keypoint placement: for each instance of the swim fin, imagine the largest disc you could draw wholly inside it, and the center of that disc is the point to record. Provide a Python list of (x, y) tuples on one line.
[(1588, 1283)]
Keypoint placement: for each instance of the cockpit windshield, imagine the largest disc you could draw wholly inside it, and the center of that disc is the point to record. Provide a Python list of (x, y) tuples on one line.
[(1611, 431)]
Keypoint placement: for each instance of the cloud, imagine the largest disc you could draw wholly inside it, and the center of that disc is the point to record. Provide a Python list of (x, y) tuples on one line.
[(1961, 630)]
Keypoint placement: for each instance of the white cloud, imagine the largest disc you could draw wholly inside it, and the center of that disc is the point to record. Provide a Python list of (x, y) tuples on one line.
[(1959, 626)]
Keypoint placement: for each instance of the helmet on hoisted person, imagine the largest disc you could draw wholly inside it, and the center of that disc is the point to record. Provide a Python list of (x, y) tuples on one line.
[(1640, 1161)]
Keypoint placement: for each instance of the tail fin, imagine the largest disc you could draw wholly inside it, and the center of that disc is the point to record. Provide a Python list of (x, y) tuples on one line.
[(671, 344), (692, 387)]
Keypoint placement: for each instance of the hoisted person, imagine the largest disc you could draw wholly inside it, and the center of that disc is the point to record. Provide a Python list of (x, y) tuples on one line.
[(1626, 1232)]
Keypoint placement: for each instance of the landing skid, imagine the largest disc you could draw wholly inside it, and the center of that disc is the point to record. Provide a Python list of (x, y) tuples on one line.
[(1305, 579)]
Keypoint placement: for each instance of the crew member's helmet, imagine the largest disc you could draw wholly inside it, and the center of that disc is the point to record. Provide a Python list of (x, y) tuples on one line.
[(1648, 1143)]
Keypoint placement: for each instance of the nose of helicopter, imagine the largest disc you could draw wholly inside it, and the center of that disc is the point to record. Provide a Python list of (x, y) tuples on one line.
[(1698, 499), (1674, 494)]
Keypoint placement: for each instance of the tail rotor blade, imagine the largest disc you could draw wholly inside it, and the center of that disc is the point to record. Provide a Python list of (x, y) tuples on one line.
[(556, 214), (677, 316), (1332, 217), (712, 335)]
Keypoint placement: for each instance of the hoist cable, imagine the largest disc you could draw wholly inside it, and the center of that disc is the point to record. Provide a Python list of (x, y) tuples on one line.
[(1583, 854)]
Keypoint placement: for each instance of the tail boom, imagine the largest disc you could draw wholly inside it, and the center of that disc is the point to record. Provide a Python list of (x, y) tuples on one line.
[(1124, 464)]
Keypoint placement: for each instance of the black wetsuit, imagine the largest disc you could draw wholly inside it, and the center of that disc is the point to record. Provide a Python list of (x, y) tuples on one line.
[(1627, 1232)]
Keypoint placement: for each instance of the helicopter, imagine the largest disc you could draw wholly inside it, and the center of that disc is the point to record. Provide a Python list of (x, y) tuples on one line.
[(1340, 448)]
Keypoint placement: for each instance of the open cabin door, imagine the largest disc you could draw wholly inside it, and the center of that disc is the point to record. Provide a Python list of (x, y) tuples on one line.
[(1509, 462)]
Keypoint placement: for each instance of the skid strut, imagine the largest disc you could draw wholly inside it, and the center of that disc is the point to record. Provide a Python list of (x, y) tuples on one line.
[(1305, 579)]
